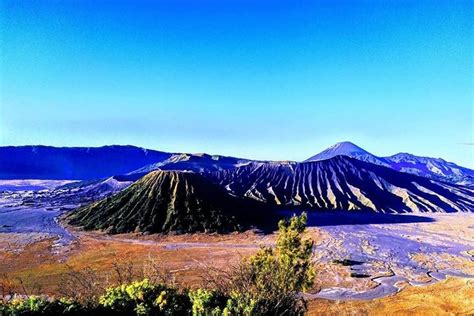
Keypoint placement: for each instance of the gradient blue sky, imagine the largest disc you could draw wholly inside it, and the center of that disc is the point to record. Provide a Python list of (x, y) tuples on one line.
[(256, 79)]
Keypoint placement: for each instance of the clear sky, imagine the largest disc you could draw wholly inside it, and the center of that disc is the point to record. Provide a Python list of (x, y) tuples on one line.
[(257, 79)]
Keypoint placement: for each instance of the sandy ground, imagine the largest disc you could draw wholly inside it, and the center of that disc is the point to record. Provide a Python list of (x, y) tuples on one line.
[(417, 250), (23, 185), (414, 251)]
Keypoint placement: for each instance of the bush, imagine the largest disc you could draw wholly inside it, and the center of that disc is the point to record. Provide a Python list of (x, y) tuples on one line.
[(206, 302), (35, 305), (144, 298)]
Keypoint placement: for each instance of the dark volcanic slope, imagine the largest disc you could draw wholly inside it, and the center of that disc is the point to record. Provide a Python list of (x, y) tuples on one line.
[(165, 201), (344, 183), (74, 163)]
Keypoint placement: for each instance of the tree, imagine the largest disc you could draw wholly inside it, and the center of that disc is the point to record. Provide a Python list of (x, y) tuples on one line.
[(271, 281)]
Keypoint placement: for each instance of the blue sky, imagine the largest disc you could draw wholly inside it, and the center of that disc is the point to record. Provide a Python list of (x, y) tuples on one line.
[(257, 79)]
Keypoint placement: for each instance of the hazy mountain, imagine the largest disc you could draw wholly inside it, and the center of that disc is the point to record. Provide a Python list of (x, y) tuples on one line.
[(169, 201), (434, 168), (344, 183), (78, 163)]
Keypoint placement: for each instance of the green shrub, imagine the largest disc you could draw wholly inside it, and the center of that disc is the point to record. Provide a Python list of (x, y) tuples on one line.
[(144, 298), (206, 302), (35, 305)]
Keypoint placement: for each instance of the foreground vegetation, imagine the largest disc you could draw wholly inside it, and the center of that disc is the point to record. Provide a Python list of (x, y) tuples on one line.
[(267, 283)]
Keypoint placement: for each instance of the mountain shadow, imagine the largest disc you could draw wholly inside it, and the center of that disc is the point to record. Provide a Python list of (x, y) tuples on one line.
[(338, 218)]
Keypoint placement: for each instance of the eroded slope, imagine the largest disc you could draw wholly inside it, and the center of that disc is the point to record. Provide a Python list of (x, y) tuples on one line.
[(346, 184), (169, 201)]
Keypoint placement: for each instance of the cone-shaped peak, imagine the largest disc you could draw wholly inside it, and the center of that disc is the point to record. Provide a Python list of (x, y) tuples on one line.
[(340, 149), (343, 148)]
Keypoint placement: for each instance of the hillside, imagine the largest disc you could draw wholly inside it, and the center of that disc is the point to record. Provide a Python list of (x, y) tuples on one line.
[(346, 184), (169, 201)]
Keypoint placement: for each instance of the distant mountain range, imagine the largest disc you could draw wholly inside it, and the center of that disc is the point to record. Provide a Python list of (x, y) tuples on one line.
[(434, 168), (73, 163), (131, 163)]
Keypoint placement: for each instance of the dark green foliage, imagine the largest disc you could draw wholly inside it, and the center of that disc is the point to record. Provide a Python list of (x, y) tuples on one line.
[(208, 302), (35, 305), (144, 298), (169, 201)]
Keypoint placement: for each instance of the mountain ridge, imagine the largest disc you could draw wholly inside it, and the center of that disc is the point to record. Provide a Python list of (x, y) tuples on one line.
[(434, 168), (131, 162), (73, 163)]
